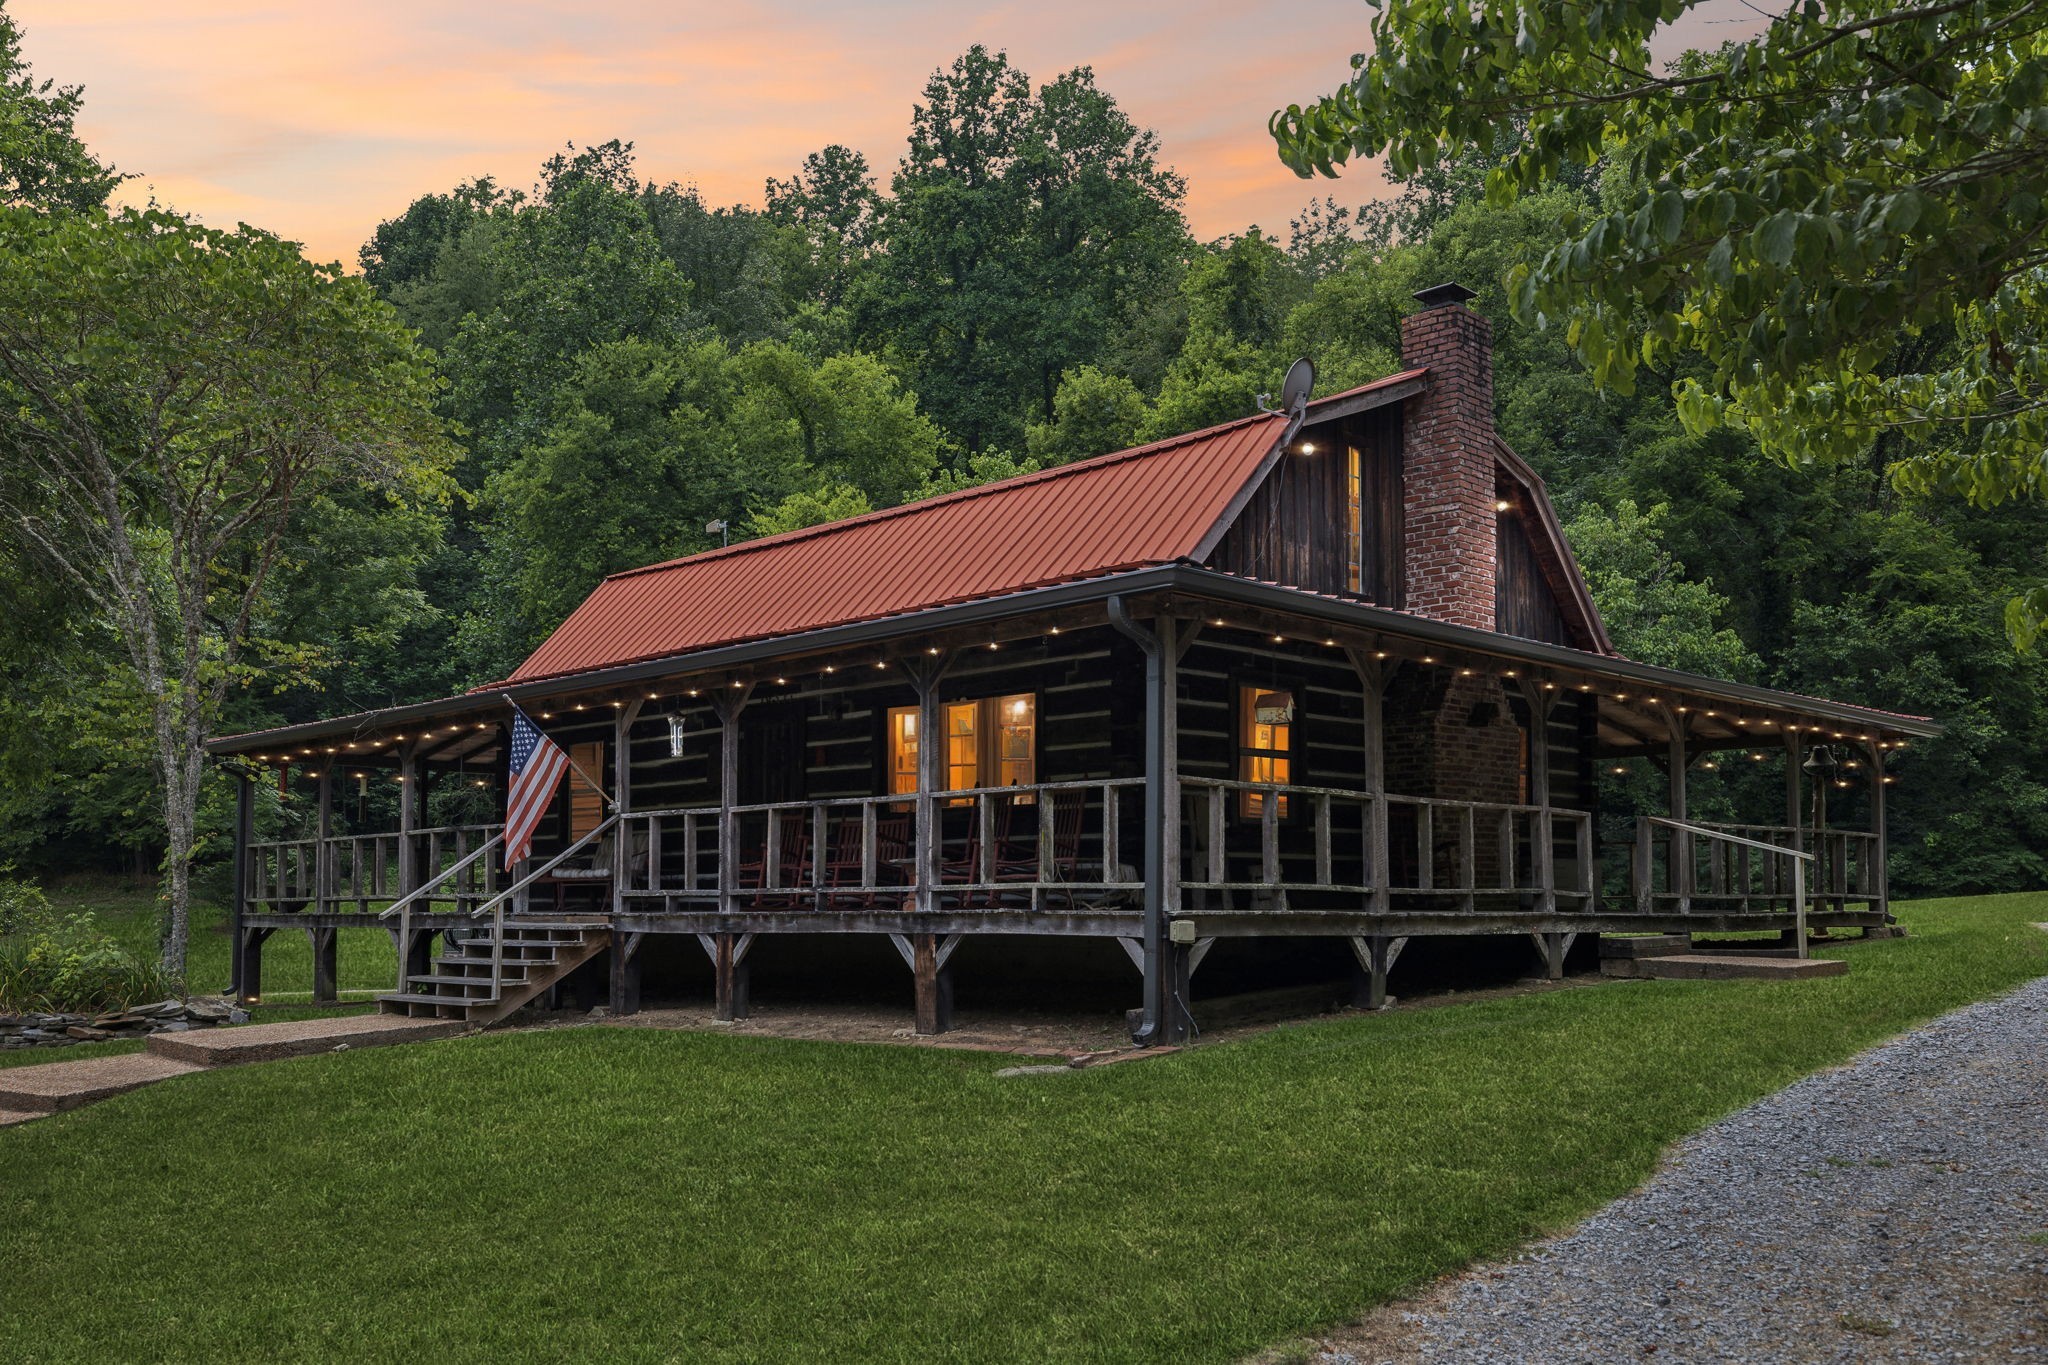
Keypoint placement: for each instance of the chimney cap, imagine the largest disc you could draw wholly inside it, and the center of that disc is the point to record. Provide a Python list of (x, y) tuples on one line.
[(1442, 295)]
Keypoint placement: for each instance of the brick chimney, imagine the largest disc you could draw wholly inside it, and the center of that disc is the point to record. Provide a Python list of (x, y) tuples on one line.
[(1447, 439)]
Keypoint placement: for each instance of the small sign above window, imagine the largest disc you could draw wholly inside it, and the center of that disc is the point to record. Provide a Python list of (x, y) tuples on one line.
[(1274, 708)]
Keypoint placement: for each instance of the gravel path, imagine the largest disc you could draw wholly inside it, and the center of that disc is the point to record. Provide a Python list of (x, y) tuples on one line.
[(1893, 1210)]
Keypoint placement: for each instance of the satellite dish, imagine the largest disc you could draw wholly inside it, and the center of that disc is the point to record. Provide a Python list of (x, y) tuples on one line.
[(1301, 379)]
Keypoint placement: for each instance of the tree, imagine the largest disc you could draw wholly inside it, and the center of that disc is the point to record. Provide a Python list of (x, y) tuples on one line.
[(811, 507), (170, 396), (42, 163), (1022, 231), (1238, 291), (833, 204), (1842, 217), (1094, 414), (1653, 611), (408, 249), (579, 268)]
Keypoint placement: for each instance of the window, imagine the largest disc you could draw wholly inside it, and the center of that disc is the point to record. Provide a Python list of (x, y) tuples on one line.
[(1016, 740), (1354, 521), (903, 750), (963, 745), (990, 742), (1265, 745)]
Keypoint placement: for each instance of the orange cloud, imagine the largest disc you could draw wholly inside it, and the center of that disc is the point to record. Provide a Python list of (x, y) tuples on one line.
[(319, 121)]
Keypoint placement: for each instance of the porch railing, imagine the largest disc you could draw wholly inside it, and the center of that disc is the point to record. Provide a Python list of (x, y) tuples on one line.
[(1795, 862), (358, 872), (1748, 867), (1016, 846), (1272, 842)]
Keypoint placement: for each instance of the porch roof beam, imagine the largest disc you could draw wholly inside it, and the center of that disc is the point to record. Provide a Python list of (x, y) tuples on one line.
[(1037, 607)]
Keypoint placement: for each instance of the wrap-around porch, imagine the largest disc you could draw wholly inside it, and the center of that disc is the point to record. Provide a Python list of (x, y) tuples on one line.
[(1163, 769)]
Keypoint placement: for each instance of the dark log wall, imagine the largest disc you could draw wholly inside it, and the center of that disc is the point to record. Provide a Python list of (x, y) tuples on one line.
[(1329, 749), (1524, 604), (1293, 529), (804, 741)]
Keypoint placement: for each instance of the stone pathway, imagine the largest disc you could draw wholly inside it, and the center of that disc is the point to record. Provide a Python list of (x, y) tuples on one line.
[(1895, 1209), (28, 1092)]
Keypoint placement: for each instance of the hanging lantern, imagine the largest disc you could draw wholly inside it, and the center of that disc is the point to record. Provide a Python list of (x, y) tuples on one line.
[(675, 735)]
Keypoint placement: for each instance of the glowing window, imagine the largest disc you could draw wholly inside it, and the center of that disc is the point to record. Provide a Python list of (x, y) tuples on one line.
[(1354, 522), (963, 745), (903, 750), (1265, 745), (990, 742)]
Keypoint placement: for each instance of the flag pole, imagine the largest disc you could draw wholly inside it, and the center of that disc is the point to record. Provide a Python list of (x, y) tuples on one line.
[(574, 766)]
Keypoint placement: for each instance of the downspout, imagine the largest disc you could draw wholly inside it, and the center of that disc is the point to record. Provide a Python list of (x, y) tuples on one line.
[(1151, 1021)]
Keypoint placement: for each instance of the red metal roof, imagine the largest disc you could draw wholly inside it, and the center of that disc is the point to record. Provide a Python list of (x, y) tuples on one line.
[(1149, 505)]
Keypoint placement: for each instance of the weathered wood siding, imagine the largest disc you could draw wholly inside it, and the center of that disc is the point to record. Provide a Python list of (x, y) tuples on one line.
[(1524, 604), (1293, 529)]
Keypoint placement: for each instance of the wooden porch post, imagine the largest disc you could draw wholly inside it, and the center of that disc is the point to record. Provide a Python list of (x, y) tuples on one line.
[(325, 975), (927, 955), (408, 798), (1376, 954), (727, 705), (625, 973), (249, 962), (622, 804), (925, 674), (1372, 677), (245, 835), (1677, 760), (728, 953), (1164, 1018), (323, 849), (1163, 811), (1880, 853), (1794, 820), (1543, 855)]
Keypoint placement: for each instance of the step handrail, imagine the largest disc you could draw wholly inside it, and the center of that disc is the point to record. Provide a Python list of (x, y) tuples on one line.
[(405, 901), (550, 865), (1799, 856), (1710, 832)]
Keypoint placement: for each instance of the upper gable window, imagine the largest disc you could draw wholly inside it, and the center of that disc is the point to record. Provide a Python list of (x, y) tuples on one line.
[(1354, 521)]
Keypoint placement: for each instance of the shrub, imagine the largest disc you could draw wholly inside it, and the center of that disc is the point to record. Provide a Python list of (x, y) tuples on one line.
[(72, 966), (23, 905)]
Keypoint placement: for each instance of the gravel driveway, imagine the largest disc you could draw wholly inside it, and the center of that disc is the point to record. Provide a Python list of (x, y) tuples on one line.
[(1895, 1209)]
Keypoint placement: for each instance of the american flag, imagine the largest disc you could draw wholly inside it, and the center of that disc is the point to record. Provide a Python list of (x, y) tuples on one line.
[(537, 767)]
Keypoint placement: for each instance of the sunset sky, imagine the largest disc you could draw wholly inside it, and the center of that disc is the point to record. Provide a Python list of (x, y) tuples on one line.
[(317, 120)]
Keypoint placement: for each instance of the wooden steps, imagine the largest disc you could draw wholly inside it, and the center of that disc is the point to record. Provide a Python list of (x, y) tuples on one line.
[(534, 955)]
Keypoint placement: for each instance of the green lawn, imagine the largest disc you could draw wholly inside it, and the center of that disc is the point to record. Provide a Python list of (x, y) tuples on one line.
[(651, 1196)]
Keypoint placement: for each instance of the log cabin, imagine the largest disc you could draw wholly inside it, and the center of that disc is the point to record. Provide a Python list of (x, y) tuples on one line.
[(1329, 671)]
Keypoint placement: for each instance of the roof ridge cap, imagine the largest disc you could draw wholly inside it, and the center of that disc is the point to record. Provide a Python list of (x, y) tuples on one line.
[(1101, 461)]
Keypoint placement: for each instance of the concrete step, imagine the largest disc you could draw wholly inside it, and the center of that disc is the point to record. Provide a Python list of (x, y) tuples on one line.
[(1644, 945), (1724, 967), (13, 1116), (297, 1038), (48, 1087)]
